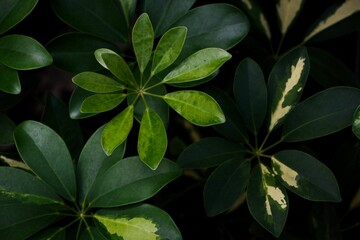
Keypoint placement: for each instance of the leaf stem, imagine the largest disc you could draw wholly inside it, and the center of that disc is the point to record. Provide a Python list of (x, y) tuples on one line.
[(273, 145), (153, 95)]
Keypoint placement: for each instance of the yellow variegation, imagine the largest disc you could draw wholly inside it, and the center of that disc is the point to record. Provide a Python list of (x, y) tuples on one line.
[(287, 174), (264, 23), (287, 11)]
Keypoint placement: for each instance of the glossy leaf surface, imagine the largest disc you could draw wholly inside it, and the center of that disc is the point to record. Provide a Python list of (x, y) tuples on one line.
[(47, 155), (197, 107), (102, 102), (7, 127), (9, 80), (97, 83), (77, 98)]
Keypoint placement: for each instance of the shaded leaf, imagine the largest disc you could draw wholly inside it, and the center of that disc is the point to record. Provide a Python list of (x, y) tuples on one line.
[(128, 7), (356, 122), (92, 233), (14, 163), (287, 12), (101, 102), (50, 233), (97, 83), (196, 107), (7, 127), (77, 98), (9, 80)]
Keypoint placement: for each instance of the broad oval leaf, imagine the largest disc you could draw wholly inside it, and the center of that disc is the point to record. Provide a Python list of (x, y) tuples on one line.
[(168, 49), (97, 83), (152, 141), (356, 122), (77, 98), (102, 102), (23, 53), (7, 127), (9, 80), (286, 83), (71, 49), (267, 200), (93, 163), (326, 112), (225, 184), (117, 130), (305, 175), (198, 66), (143, 221), (197, 107), (134, 182), (143, 40), (47, 155), (251, 94), (14, 11), (287, 12), (210, 152), (106, 18)]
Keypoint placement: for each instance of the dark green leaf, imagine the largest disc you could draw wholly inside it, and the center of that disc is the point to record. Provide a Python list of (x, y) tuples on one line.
[(93, 162), (163, 13), (152, 141), (251, 94), (324, 113), (197, 107), (8, 101), (143, 40), (23, 53), (102, 102), (7, 127), (128, 7), (324, 222), (14, 11), (50, 233), (267, 200), (225, 185), (117, 130), (92, 233), (97, 83), (77, 98), (305, 175), (9, 80), (356, 122), (47, 155), (97, 17), (134, 182), (138, 222), (209, 152), (74, 52), (56, 116), (286, 83)]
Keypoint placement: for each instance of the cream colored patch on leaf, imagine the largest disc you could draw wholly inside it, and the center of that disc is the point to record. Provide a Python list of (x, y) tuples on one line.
[(247, 4), (281, 110), (287, 11), (130, 229), (287, 174), (265, 25), (347, 9)]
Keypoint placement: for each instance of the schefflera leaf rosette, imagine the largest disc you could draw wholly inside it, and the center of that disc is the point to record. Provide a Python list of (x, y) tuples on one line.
[(144, 88)]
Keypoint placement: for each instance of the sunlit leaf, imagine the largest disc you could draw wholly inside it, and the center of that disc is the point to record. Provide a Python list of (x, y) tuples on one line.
[(102, 102), (97, 83)]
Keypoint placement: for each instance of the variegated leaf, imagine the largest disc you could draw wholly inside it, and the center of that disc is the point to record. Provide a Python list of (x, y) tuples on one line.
[(287, 11)]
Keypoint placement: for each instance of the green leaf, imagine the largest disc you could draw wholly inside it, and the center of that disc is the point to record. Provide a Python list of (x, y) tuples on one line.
[(134, 182), (117, 130), (9, 80), (93, 163), (77, 98), (355, 123), (143, 221), (116, 65), (286, 83), (163, 13), (197, 107), (251, 94), (324, 113), (98, 55), (152, 141), (305, 175), (70, 49), (7, 127), (26, 188), (143, 40), (267, 200), (106, 20), (53, 233), (47, 156), (23, 53), (324, 222), (168, 49), (224, 186), (209, 152), (14, 11), (56, 116), (198, 66), (287, 12), (97, 83), (102, 102), (92, 233)]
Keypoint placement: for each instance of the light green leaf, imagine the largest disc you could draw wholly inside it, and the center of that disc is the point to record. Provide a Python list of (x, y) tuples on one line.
[(117, 130), (267, 200), (23, 53), (305, 175), (97, 83), (197, 66), (98, 55), (7, 127), (197, 107), (143, 40), (168, 49), (356, 122), (102, 102), (287, 12), (286, 83), (152, 142), (9, 80)]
